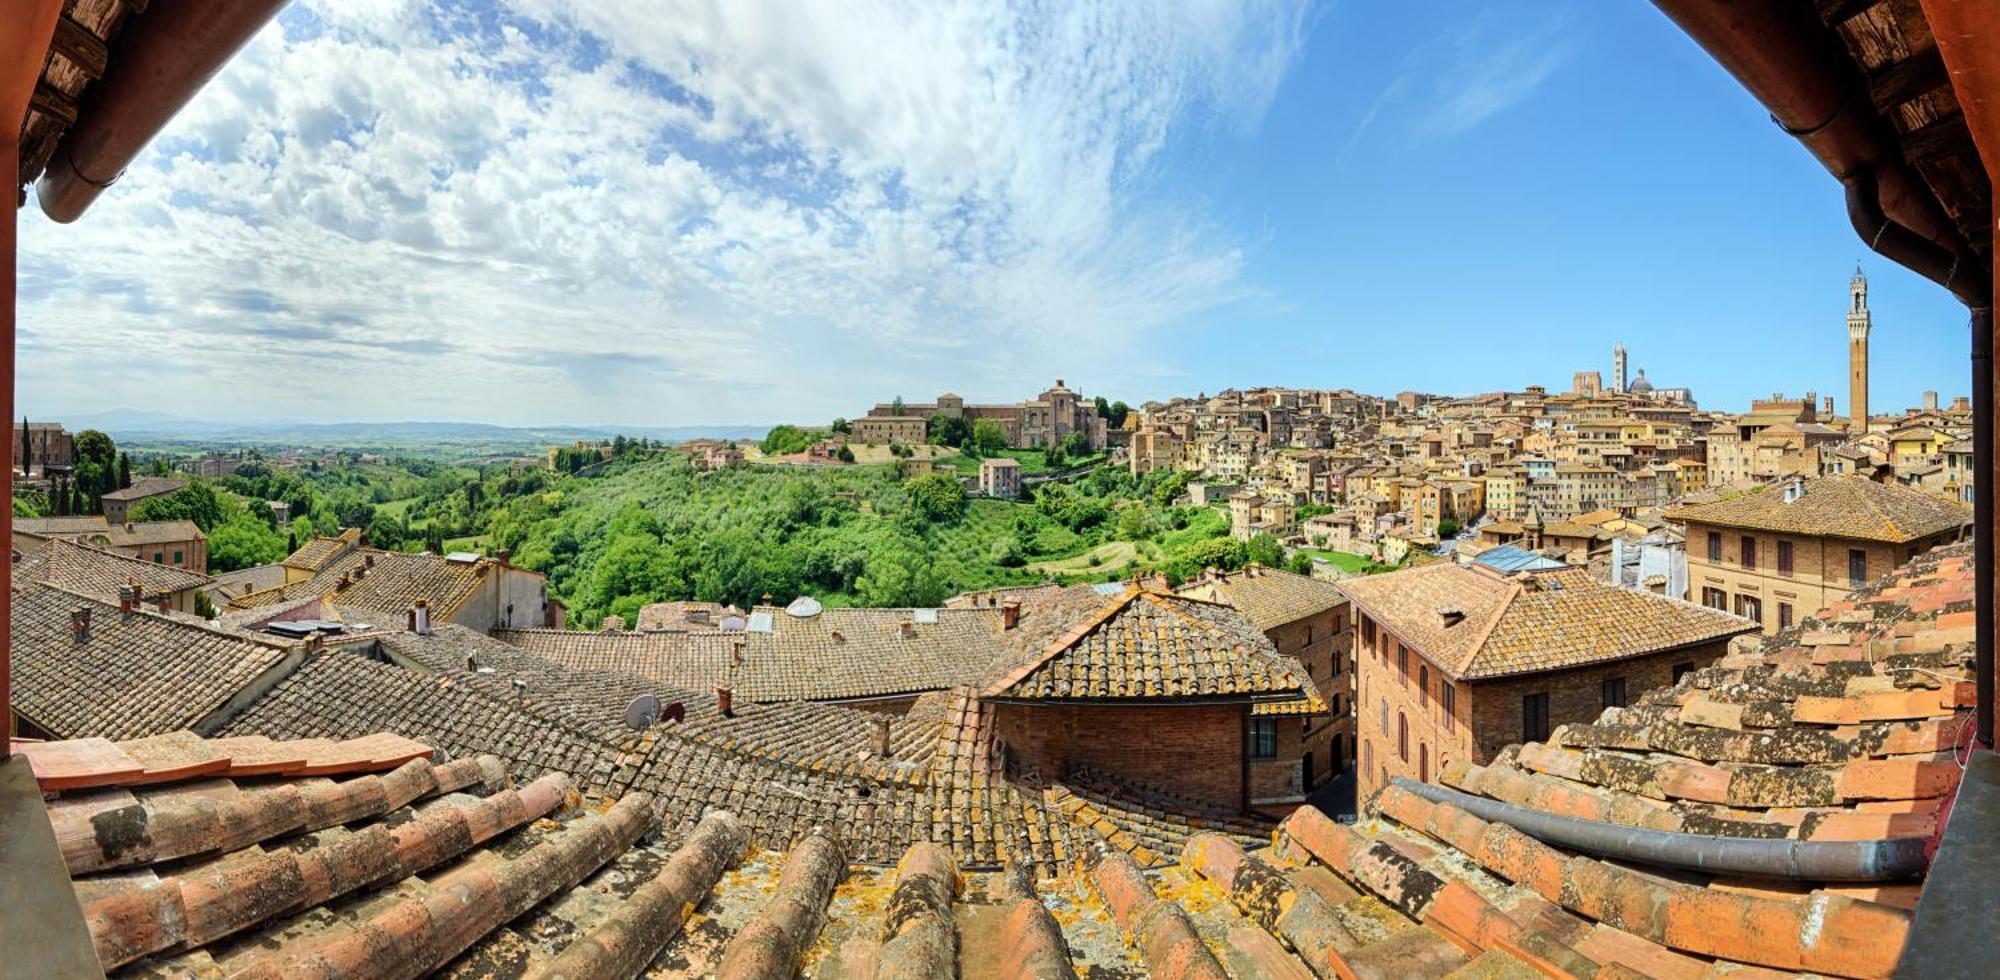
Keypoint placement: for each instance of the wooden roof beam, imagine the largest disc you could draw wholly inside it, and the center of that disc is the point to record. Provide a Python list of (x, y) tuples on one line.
[(1838, 12), (51, 102), (81, 47), (1907, 79)]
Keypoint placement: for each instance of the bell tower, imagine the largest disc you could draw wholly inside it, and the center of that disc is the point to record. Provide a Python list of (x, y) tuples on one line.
[(1858, 323)]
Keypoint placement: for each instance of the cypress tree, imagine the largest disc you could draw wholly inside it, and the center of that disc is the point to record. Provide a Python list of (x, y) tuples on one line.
[(124, 471), (27, 449)]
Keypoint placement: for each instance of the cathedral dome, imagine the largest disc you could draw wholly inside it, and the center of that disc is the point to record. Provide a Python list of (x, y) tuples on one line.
[(1640, 386)]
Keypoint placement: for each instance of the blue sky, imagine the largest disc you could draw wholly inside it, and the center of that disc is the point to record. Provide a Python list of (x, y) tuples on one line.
[(764, 210)]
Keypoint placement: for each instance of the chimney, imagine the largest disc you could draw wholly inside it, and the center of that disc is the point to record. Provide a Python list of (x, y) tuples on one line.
[(882, 737), (410, 619), (521, 690), (724, 702), (315, 642), (79, 624), (421, 613), (128, 596), (1010, 614), (906, 629), (162, 602), (368, 561), (471, 662), (503, 556), (613, 624)]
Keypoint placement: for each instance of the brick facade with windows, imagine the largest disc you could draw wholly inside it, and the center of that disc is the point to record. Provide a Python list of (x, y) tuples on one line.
[(1458, 662)]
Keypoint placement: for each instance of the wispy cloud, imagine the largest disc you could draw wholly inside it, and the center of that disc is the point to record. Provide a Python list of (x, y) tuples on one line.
[(1449, 85), (733, 209)]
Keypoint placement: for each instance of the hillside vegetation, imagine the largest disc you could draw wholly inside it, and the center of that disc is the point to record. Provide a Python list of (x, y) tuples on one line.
[(650, 528)]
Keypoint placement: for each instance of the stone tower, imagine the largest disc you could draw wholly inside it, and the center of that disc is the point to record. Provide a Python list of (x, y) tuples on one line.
[(1618, 377), (1857, 350)]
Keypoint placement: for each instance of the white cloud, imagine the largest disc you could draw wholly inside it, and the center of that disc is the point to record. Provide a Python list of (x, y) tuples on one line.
[(1447, 86), (731, 210)]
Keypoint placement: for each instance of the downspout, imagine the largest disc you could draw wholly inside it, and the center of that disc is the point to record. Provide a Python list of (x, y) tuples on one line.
[(1982, 518), (162, 58), (1869, 860)]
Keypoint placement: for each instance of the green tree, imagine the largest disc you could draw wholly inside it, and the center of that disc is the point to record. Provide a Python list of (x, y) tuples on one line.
[(1300, 564), (124, 471), (899, 575), (27, 449), (842, 426), (204, 606), (896, 405), (1116, 418), (197, 502), (783, 440), (1052, 455), (1227, 554), (96, 464), (1447, 529), (1264, 550), (989, 437), (1076, 444), (243, 542), (936, 498), (845, 454), (947, 430)]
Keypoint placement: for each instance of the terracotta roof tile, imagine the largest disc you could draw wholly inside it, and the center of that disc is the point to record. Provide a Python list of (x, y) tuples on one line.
[(1478, 623), (1845, 507)]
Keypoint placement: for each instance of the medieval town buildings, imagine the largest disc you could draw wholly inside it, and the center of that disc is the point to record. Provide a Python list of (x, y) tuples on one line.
[(1045, 420)]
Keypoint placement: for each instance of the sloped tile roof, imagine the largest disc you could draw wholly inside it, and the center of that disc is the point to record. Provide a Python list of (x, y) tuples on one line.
[(1843, 507), (1270, 597), (385, 580), (147, 486), (1531, 621), (100, 573), (1844, 728), (138, 673), (835, 655), (1145, 645)]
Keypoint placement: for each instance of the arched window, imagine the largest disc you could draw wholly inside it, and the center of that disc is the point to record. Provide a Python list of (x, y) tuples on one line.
[(1402, 737), (1424, 763), (1424, 684)]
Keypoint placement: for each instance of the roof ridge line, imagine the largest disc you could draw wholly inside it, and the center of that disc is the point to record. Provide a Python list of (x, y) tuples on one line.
[(1063, 642), (191, 623), (1514, 591)]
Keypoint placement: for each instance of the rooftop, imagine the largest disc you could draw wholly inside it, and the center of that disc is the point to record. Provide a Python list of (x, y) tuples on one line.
[(1270, 597), (102, 574), (1531, 621), (1842, 507)]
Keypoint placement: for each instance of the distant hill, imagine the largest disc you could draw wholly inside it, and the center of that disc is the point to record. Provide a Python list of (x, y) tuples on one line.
[(140, 427)]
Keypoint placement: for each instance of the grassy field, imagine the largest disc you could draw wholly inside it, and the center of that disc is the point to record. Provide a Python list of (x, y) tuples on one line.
[(1031, 462), (1106, 557), (397, 509), (1340, 559)]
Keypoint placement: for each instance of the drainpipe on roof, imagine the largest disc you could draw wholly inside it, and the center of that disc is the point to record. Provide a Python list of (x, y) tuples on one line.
[(162, 58), (1982, 518)]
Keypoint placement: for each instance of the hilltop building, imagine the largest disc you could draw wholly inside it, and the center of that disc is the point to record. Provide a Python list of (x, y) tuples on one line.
[(118, 504), (1046, 420)]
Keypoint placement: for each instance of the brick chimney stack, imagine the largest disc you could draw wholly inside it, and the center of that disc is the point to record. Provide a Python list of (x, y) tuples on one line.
[(882, 737), (725, 702), (1010, 614), (79, 624)]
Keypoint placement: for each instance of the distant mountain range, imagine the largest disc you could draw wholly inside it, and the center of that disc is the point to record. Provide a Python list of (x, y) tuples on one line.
[(142, 426)]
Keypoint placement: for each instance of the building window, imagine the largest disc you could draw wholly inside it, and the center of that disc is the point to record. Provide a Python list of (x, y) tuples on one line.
[(1857, 567), (1263, 738), (1367, 755), (1785, 558), (1403, 661), (1368, 634), (1784, 615), (1423, 685), (1715, 546), (1749, 553), (1385, 716), (1682, 670), (1614, 692), (1750, 607), (1402, 737), (1424, 763), (177, 557), (159, 558), (1534, 717), (1447, 699), (1714, 598)]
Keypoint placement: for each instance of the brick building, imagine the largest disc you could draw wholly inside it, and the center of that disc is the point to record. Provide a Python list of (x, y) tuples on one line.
[(1000, 477), (177, 543), (1046, 419), (1456, 662), (118, 504), (1307, 620), (1779, 551), (1150, 690)]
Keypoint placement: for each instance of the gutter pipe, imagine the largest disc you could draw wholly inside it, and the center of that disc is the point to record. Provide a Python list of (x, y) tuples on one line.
[(1874, 860), (162, 58)]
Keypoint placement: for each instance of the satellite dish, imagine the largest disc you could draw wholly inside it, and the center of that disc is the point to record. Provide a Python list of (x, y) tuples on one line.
[(642, 712)]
